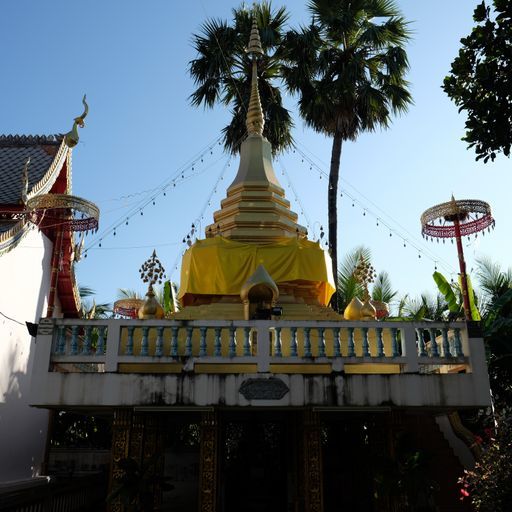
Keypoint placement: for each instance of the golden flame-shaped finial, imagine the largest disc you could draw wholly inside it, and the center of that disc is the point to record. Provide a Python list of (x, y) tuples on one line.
[(71, 138), (255, 120)]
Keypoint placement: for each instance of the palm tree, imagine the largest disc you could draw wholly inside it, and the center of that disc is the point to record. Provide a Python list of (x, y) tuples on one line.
[(496, 285), (348, 67), (222, 72), (382, 288), (90, 310), (424, 307)]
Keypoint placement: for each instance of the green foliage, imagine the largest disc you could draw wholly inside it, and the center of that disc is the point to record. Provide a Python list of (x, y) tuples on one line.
[(222, 72), (424, 307), (89, 309), (447, 291), (348, 68), (489, 485), (382, 288), (347, 285), (480, 81)]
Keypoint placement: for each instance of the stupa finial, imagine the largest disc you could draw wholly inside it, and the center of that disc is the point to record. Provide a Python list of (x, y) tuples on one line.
[(255, 120)]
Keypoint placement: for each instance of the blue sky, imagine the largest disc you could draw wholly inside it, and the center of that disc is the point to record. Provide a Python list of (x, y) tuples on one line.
[(131, 58)]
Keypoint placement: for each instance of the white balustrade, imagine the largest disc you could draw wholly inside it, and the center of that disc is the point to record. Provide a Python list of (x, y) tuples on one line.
[(102, 345)]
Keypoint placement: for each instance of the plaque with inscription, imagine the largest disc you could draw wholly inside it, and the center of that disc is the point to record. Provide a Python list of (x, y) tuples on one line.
[(263, 389)]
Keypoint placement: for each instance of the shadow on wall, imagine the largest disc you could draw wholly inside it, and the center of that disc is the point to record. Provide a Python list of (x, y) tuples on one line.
[(23, 430)]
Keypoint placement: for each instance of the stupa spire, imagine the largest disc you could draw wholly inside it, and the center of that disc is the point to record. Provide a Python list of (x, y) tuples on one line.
[(255, 120)]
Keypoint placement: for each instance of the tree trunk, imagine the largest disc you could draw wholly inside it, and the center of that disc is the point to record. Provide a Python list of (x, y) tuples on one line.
[(332, 205)]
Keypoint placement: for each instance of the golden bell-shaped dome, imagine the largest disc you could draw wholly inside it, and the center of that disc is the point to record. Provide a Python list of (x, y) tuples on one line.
[(151, 308)]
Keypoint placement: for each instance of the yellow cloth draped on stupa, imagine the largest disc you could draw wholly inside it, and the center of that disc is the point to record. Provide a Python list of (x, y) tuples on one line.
[(219, 266)]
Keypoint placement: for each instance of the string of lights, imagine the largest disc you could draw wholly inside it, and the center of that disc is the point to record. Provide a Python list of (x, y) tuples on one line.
[(182, 174), (375, 205), (194, 230), (407, 239)]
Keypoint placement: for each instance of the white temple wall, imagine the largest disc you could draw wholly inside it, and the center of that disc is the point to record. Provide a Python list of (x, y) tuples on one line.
[(24, 288)]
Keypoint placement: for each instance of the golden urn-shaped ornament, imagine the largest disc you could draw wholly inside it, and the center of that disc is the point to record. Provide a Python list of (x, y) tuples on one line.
[(353, 310), (364, 274), (368, 311), (151, 272)]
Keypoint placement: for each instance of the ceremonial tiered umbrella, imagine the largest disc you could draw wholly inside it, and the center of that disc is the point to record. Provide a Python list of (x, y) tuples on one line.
[(128, 307), (64, 214), (455, 219)]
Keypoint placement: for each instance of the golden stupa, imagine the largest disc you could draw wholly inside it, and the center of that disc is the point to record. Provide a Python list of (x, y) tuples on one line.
[(255, 256)]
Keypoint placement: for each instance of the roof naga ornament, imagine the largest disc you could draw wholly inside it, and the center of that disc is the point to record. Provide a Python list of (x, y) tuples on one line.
[(255, 120), (71, 138)]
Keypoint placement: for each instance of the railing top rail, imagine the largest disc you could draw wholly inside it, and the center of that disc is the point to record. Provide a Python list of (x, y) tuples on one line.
[(342, 324)]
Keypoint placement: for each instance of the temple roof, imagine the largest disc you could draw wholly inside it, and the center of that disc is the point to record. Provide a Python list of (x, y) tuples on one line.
[(14, 153)]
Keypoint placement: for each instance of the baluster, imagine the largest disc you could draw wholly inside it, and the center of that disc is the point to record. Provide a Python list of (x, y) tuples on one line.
[(100, 346), (366, 345), (60, 349), (321, 342), (351, 346), (293, 342), (380, 343), (446, 343), (277, 342), (86, 348), (188, 342), (74, 340), (232, 341), (202, 342), (307, 342), (218, 342), (129, 343), (434, 351), (458, 343), (144, 348), (174, 341), (159, 349), (421, 342), (247, 342), (394, 342), (336, 341)]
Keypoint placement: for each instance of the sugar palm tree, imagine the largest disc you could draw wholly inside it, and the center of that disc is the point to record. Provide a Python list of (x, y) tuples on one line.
[(222, 72), (348, 68)]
